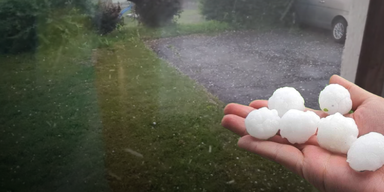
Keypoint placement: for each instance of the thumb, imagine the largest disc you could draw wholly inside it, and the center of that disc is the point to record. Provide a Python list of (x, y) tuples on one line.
[(358, 95)]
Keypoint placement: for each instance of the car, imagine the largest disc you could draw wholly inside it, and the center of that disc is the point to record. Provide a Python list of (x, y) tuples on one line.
[(326, 14)]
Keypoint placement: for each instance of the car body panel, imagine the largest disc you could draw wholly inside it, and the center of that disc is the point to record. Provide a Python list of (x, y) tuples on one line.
[(321, 13)]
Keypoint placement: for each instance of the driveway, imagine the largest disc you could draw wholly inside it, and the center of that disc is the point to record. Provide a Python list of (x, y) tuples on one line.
[(247, 65)]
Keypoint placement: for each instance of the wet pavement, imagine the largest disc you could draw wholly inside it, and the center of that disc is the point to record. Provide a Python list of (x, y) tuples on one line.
[(247, 65)]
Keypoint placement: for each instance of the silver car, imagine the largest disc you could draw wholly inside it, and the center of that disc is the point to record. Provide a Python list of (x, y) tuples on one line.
[(327, 14)]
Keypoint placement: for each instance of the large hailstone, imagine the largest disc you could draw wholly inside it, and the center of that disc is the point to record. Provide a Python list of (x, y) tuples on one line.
[(286, 98), (336, 133), (335, 99), (262, 123), (367, 152), (298, 126)]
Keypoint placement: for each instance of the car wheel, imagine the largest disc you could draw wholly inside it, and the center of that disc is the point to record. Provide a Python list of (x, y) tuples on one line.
[(339, 30)]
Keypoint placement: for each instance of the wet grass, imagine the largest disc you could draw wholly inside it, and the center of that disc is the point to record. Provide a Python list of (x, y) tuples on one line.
[(79, 113), (162, 131), (50, 125)]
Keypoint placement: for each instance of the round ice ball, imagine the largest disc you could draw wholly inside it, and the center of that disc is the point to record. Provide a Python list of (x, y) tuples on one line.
[(286, 98), (367, 152), (262, 123), (336, 133), (298, 126), (335, 99)]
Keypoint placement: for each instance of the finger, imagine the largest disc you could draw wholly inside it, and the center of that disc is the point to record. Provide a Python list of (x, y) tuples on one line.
[(235, 124), (321, 114), (311, 141), (358, 95), (257, 104), (237, 109), (287, 155), (279, 139)]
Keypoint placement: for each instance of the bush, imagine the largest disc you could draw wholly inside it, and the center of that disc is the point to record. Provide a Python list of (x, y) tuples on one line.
[(19, 20), (157, 13), (243, 12), (17, 26), (106, 18)]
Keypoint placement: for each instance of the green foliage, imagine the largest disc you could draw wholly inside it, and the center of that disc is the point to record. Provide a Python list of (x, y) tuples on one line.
[(83, 5), (106, 17), (156, 13), (19, 20), (243, 12), (17, 25), (60, 26)]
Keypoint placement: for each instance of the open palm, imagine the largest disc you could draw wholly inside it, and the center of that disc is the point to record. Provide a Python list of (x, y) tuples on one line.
[(325, 170)]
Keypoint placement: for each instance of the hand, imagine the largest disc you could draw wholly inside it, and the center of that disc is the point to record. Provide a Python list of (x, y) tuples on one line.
[(325, 170)]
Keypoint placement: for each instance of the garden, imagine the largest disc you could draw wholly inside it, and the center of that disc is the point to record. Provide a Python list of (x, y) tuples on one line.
[(86, 105)]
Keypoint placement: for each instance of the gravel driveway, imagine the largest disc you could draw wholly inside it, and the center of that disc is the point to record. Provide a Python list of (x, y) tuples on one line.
[(247, 65)]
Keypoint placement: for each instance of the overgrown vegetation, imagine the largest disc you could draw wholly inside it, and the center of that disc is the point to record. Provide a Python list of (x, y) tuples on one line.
[(19, 20), (247, 13), (17, 26)]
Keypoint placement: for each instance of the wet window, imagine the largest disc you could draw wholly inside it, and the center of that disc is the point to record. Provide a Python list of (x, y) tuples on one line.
[(129, 95)]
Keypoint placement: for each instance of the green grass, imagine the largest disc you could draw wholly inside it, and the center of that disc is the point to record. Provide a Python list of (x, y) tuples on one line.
[(51, 130), (151, 108), (50, 123), (72, 114)]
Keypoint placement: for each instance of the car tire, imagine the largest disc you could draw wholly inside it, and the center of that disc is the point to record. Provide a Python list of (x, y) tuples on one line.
[(339, 30)]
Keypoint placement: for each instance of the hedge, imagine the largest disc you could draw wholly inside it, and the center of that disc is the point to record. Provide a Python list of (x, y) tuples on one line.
[(243, 12)]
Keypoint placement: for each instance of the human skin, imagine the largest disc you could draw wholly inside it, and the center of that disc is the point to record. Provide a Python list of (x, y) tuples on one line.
[(325, 170)]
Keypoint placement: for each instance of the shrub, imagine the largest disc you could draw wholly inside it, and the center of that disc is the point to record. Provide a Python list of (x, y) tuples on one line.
[(106, 18), (19, 20), (243, 12), (17, 26), (157, 13)]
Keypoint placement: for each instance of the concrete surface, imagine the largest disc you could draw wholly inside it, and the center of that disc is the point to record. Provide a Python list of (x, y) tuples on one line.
[(243, 66)]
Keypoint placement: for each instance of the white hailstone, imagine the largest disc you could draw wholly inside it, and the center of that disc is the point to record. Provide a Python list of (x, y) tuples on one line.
[(298, 126), (367, 152), (335, 99), (262, 123), (286, 98), (336, 133)]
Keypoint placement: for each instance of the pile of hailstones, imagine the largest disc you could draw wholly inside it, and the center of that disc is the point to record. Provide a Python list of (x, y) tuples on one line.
[(336, 133)]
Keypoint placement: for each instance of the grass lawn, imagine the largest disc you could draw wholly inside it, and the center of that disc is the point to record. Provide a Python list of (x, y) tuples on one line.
[(162, 131), (77, 118), (50, 124)]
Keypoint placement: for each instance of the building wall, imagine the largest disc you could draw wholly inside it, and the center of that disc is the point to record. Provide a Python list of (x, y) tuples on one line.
[(356, 26)]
